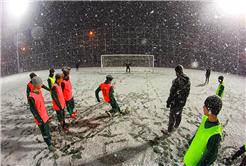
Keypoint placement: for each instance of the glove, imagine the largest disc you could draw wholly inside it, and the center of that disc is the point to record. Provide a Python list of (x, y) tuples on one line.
[(98, 100)]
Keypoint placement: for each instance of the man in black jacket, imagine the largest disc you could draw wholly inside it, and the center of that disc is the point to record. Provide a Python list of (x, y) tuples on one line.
[(128, 64), (179, 92), (208, 71)]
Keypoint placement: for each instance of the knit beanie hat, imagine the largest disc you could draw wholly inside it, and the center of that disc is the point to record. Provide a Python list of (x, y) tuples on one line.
[(213, 104), (65, 72), (58, 76), (179, 69), (32, 75), (66, 67), (36, 81), (109, 77)]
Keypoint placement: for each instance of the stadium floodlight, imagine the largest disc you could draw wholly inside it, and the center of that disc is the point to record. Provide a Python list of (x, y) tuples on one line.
[(139, 62), (233, 6), (91, 33), (18, 7)]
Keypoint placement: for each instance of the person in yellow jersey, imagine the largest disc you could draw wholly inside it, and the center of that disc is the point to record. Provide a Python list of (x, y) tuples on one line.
[(221, 87), (204, 145), (50, 79)]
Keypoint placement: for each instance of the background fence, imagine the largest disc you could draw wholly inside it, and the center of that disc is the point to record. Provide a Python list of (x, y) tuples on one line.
[(170, 47)]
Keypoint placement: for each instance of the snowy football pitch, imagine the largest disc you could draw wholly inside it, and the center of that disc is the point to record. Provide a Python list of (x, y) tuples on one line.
[(95, 139)]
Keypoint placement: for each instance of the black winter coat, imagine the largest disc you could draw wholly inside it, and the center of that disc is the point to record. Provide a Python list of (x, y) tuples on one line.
[(179, 91)]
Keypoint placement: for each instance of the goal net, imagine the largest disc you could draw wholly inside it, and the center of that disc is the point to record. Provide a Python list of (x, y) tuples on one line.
[(117, 62)]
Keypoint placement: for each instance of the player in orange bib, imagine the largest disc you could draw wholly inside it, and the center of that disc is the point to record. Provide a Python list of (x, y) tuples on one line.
[(59, 101), (67, 93), (108, 95), (30, 86), (38, 109)]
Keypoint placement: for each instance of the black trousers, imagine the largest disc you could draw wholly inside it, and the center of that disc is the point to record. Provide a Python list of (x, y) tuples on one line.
[(243, 162), (207, 79), (115, 107), (239, 153), (127, 69), (174, 117)]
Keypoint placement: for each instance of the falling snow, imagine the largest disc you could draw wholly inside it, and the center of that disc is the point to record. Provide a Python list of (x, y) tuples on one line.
[(54, 34)]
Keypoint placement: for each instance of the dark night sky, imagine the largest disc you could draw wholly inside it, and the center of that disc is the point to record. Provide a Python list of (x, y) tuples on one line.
[(58, 17), (62, 17)]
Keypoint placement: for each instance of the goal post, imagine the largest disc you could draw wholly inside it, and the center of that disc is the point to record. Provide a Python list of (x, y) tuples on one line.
[(119, 60)]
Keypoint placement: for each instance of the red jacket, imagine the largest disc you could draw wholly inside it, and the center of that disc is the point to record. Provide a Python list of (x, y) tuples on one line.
[(67, 91), (105, 90), (30, 86), (60, 97), (39, 103)]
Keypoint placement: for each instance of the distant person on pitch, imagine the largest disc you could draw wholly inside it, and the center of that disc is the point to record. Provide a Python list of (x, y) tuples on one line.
[(38, 109), (108, 94), (179, 93), (208, 72), (128, 64), (204, 145), (30, 86), (77, 66), (67, 93), (221, 87), (59, 101), (236, 155)]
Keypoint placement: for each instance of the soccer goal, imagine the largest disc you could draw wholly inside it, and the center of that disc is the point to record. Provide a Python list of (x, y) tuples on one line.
[(117, 62)]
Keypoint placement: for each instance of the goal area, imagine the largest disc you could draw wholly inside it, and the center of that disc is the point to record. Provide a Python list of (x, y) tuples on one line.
[(117, 62)]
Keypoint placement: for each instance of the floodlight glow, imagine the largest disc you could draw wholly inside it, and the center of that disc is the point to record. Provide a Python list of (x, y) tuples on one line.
[(233, 6), (18, 7)]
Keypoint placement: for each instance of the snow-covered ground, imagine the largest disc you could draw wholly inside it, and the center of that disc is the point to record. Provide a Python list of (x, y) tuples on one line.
[(95, 139)]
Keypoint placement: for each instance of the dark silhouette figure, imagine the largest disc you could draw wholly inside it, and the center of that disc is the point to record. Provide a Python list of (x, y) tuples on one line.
[(208, 72)]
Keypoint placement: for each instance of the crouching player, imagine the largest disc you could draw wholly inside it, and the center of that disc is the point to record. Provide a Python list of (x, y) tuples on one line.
[(108, 94), (38, 109)]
